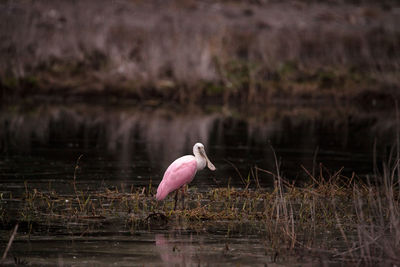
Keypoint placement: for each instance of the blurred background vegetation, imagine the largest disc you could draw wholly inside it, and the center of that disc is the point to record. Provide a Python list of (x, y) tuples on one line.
[(186, 51)]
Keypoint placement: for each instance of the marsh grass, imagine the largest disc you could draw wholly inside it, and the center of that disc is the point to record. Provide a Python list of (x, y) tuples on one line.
[(345, 218)]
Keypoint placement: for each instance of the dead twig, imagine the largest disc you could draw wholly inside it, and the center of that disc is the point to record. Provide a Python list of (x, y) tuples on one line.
[(10, 242)]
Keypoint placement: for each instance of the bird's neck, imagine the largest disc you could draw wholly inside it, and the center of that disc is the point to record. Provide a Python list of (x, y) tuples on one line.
[(201, 161)]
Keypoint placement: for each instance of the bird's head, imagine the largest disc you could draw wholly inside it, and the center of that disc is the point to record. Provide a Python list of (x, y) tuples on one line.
[(198, 150)]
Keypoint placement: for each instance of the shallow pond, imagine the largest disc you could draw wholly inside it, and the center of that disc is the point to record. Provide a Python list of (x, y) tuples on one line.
[(133, 146), (127, 147), (153, 248)]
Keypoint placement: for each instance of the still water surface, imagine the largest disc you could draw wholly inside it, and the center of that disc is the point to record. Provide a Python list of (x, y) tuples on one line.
[(134, 145), (129, 146)]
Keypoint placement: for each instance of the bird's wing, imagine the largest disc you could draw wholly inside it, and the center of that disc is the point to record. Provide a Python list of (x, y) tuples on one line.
[(180, 172)]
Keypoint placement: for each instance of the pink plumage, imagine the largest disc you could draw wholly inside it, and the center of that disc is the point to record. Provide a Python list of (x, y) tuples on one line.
[(182, 172), (179, 173)]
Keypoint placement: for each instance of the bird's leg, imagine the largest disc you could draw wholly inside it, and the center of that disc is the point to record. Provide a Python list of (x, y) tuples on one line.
[(176, 198), (183, 197)]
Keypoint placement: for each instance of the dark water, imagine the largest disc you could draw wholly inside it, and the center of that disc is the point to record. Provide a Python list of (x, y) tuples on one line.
[(173, 248), (127, 146), (133, 145)]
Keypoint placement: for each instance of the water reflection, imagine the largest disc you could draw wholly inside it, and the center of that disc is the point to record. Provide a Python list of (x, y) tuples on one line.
[(174, 253), (197, 249), (135, 145), (165, 136)]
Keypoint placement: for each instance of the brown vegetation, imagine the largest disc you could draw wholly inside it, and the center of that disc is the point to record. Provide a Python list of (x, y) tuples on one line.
[(342, 217), (191, 50)]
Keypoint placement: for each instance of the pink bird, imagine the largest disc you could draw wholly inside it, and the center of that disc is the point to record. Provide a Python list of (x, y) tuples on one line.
[(182, 171)]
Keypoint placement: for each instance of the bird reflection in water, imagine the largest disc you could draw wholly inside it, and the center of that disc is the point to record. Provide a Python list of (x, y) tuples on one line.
[(174, 251)]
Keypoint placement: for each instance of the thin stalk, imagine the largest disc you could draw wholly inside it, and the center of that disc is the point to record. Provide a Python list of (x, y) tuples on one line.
[(10, 241)]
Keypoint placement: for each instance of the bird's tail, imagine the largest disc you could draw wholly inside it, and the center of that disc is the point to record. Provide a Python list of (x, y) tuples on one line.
[(161, 192)]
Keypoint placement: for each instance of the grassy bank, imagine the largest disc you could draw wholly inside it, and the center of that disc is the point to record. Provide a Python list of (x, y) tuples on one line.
[(186, 51), (345, 218)]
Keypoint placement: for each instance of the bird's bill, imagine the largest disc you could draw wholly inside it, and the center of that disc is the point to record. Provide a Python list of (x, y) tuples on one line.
[(209, 164)]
